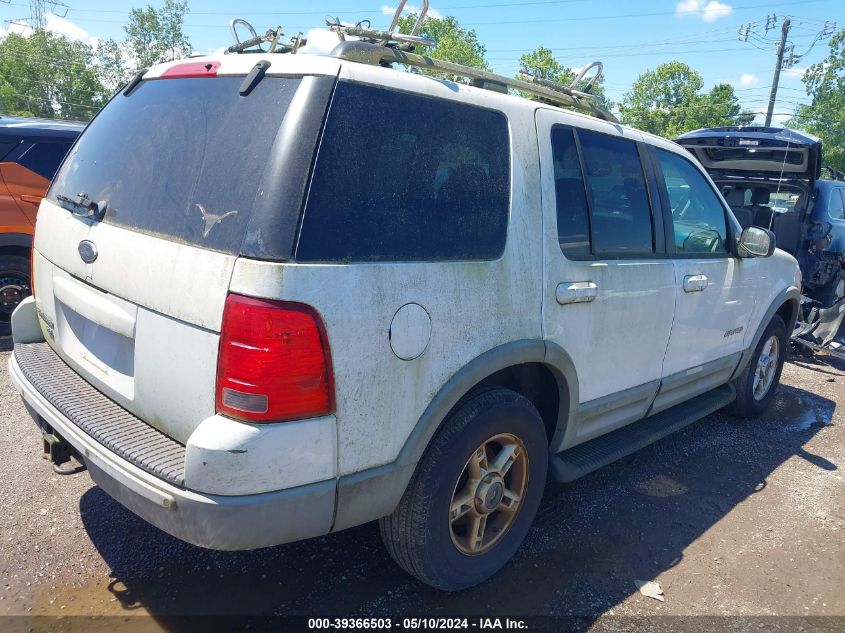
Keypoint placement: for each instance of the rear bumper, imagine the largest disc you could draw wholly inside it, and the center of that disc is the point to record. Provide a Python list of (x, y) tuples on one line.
[(212, 521)]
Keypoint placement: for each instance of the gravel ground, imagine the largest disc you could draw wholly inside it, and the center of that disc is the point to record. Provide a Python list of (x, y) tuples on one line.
[(729, 516)]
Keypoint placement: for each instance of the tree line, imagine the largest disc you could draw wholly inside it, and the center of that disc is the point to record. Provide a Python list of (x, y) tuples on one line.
[(49, 75)]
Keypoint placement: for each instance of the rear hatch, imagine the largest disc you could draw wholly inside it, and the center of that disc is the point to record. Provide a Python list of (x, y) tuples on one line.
[(138, 236), (755, 152)]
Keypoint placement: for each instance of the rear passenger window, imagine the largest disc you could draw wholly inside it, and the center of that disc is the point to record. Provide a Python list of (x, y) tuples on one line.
[(836, 206), (621, 214), (697, 214), (401, 177), (44, 158), (573, 225)]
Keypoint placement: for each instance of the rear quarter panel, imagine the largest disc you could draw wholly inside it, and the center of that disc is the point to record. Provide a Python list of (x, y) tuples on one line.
[(473, 306)]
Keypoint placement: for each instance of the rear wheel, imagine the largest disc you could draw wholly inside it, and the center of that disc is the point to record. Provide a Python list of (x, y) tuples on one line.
[(756, 385), (474, 494), (15, 286)]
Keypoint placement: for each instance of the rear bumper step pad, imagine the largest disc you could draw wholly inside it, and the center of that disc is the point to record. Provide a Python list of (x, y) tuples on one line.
[(103, 419)]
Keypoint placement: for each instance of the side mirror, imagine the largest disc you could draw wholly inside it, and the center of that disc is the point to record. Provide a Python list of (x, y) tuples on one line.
[(756, 242)]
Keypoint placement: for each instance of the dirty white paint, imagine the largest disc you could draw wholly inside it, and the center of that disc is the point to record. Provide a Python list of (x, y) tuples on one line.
[(388, 361), (617, 341), (230, 458), (165, 373), (410, 331), (473, 306)]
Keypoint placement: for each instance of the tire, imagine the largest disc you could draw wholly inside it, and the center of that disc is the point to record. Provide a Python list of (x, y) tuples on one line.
[(431, 540), (749, 404), (833, 291), (15, 286)]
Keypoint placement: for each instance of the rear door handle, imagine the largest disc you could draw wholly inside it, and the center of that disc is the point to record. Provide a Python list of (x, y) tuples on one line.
[(31, 199), (695, 283), (576, 292)]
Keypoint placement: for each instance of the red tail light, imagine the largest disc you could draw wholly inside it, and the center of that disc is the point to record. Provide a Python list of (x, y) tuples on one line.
[(274, 363)]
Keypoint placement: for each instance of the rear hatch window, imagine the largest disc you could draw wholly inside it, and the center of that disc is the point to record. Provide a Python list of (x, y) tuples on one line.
[(181, 159)]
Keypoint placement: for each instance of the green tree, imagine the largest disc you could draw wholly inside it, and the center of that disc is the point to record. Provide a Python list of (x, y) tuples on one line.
[(541, 63), (661, 100), (152, 36), (453, 43), (668, 101), (719, 107), (50, 76), (825, 114)]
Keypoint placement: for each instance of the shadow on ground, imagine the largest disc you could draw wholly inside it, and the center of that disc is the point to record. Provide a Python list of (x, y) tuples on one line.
[(591, 539)]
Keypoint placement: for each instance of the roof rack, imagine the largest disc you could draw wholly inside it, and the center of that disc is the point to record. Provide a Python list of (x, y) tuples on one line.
[(383, 48), (547, 91), (253, 43)]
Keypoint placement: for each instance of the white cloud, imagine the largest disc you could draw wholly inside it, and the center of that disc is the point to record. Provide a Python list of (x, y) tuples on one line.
[(54, 24), (386, 9), (747, 80), (796, 72), (707, 11), (72, 31), (320, 42), (17, 29)]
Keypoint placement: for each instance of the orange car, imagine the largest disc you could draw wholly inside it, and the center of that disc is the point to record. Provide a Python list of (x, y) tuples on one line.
[(31, 151)]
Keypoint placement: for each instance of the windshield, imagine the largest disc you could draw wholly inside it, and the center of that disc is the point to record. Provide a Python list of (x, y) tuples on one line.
[(179, 158)]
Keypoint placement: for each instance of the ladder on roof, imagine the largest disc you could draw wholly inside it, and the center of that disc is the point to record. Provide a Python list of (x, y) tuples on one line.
[(384, 48)]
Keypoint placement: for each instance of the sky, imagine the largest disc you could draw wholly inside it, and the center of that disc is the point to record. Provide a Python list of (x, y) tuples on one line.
[(628, 37)]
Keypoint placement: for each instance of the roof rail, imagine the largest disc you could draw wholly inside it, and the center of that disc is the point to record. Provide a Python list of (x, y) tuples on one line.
[(382, 55)]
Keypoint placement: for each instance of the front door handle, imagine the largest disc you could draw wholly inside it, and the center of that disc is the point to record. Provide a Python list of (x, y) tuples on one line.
[(576, 292), (695, 283)]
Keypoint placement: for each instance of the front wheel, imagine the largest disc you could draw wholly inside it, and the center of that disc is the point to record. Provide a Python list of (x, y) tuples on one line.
[(474, 494), (756, 385)]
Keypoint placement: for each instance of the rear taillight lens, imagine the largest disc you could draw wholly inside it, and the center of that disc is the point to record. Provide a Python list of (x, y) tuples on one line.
[(274, 363)]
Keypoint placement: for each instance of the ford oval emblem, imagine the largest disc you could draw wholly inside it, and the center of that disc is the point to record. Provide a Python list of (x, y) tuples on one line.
[(88, 251)]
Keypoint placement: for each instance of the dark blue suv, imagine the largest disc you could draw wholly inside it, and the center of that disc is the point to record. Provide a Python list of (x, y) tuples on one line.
[(771, 177)]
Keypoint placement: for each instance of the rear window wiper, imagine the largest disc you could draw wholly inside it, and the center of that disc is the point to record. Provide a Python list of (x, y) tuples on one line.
[(83, 205)]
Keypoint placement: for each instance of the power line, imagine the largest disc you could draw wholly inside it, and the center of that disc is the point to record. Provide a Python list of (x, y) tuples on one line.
[(602, 17)]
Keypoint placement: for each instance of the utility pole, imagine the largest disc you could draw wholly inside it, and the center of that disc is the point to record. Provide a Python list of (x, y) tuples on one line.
[(36, 14), (784, 32)]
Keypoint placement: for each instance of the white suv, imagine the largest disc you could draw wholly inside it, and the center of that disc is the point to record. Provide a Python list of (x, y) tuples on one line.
[(279, 299)]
